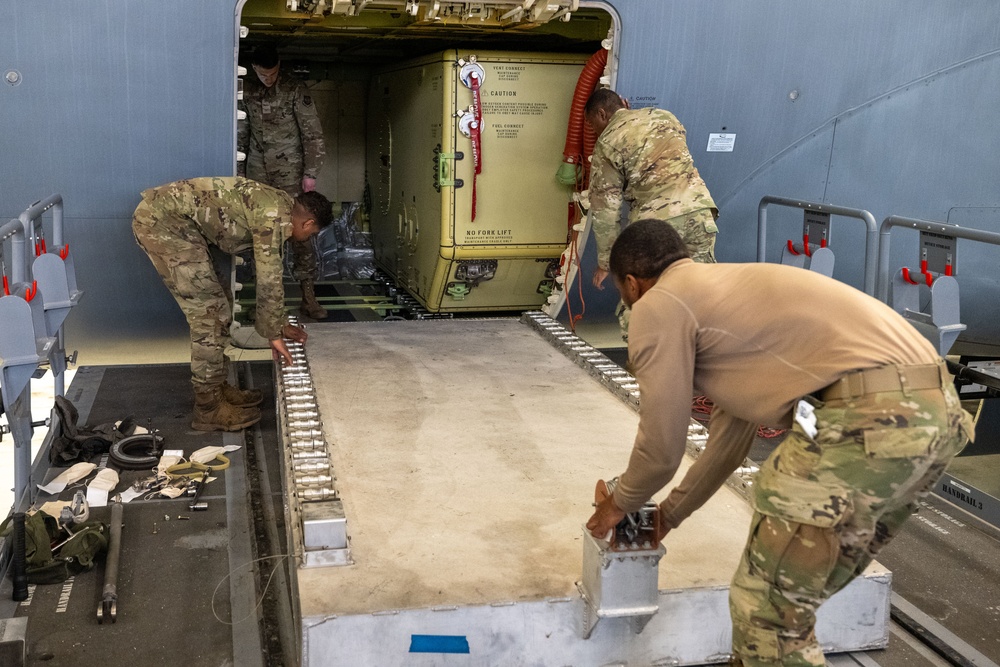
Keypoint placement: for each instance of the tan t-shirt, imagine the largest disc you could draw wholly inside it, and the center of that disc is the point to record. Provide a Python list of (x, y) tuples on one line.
[(754, 338)]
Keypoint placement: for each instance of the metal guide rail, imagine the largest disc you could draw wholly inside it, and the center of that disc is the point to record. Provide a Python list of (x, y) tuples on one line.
[(319, 526), (624, 385)]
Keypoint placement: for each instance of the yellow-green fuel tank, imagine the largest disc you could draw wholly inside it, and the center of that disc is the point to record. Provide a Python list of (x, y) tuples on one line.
[(421, 166)]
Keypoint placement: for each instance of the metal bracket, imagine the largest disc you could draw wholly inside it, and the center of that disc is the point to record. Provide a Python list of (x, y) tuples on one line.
[(458, 291), (940, 321), (619, 584), (444, 173)]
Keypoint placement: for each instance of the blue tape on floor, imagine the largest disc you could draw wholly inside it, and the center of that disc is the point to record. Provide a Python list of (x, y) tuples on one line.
[(439, 644)]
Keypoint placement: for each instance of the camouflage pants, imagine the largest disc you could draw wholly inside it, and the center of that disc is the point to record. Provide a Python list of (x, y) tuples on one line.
[(698, 229), (181, 256), (825, 506), (304, 264)]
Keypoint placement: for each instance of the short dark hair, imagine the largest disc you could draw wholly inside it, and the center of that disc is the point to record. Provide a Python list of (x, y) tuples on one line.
[(645, 249), (265, 55), (603, 98), (318, 206)]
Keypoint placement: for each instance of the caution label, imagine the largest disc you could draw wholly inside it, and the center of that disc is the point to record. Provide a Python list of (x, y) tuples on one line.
[(495, 108)]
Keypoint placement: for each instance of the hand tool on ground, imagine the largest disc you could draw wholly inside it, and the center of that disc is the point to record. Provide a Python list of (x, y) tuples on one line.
[(108, 607), (196, 506), (78, 511)]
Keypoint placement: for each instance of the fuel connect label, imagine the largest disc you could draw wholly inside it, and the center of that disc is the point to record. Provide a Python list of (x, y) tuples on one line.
[(508, 130)]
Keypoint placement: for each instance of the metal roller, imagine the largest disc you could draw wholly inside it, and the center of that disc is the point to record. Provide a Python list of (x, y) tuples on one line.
[(307, 466), (308, 454), (306, 434), (307, 414), (314, 494), (300, 402), (308, 443), (304, 423), (309, 446), (313, 479)]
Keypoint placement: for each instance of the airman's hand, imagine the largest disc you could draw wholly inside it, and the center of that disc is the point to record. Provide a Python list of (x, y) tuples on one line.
[(600, 275), (292, 332), (280, 351), (605, 518)]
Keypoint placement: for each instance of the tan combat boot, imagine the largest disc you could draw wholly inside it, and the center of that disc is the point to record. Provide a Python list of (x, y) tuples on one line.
[(213, 413), (310, 306), (241, 398)]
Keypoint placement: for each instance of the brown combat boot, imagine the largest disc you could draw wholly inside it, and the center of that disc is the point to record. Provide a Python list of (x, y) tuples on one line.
[(310, 306), (213, 413), (241, 398)]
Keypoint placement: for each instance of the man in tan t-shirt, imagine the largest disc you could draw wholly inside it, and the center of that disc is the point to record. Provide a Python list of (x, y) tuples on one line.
[(876, 421)]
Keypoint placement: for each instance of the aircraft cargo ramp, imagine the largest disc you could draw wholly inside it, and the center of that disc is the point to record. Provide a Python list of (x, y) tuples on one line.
[(465, 454)]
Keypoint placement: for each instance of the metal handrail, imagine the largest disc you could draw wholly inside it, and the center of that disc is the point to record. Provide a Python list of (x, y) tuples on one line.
[(925, 226), (871, 235), (20, 228)]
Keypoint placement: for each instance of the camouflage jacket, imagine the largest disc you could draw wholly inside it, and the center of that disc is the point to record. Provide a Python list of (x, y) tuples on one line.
[(235, 214), (642, 157), (281, 136)]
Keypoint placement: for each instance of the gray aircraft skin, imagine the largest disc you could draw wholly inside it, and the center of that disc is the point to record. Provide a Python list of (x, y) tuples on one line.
[(887, 106)]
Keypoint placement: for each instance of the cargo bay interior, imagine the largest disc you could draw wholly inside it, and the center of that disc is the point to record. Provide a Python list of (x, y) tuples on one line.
[(250, 575), (486, 231)]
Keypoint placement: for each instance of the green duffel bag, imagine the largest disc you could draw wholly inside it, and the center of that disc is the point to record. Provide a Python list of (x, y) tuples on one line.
[(76, 555)]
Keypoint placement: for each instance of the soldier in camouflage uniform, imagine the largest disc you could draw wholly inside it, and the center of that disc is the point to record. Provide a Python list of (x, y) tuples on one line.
[(283, 141), (641, 157), (876, 422), (175, 224)]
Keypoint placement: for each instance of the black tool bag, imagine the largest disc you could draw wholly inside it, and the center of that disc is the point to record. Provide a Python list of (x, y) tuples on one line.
[(73, 444)]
